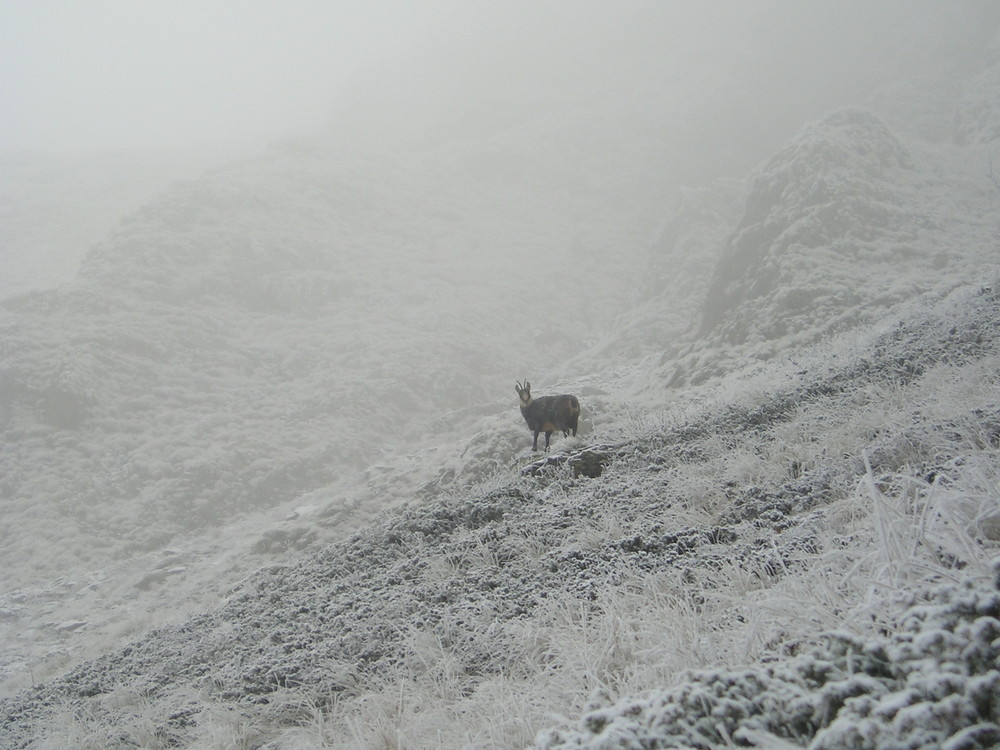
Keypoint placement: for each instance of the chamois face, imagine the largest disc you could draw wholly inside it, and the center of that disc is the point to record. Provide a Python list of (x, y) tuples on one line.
[(524, 393)]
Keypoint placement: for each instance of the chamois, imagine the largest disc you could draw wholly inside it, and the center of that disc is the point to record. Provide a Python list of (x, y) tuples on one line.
[(548, 413)]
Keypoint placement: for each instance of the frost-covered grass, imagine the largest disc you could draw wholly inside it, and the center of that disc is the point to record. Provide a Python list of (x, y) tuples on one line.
[(889, 535), (877, 548)]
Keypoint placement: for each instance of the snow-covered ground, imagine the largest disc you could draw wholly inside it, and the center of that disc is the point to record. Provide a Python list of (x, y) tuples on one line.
[(816, 539), (264, 481)]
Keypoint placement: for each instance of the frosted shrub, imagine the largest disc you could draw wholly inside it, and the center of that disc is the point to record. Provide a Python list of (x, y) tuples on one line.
[(934, 684)]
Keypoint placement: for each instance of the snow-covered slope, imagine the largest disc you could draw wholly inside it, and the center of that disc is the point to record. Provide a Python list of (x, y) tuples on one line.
[(843, 224), (817, 495), (255, 343), (834, 231)]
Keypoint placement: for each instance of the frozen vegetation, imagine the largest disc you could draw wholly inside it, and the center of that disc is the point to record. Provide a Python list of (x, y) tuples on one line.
[(265, 483)]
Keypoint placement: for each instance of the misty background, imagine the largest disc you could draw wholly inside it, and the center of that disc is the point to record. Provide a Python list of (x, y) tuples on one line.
[(116, 75), (270, 270), (105, 103)]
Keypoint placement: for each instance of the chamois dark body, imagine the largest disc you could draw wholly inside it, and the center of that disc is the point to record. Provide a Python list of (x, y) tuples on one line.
[(548, 413)]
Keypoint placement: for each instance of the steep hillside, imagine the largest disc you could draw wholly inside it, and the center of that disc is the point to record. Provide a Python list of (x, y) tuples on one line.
[(255, 343), (840, 227), (816, 495)]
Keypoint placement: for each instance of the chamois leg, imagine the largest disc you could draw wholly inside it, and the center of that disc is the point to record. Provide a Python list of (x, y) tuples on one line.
[(534, 445), (547, 436)]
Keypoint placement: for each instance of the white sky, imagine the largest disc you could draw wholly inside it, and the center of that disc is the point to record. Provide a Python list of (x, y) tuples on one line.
[(145, 73), (101, 74)]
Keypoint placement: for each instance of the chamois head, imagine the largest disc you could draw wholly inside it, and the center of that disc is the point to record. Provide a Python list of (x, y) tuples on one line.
[(524, 393), (548, 413)]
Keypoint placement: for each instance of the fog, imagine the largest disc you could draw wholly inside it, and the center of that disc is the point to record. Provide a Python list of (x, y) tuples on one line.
[(659, 94), (118, 74), (114, 74), (270, 270)]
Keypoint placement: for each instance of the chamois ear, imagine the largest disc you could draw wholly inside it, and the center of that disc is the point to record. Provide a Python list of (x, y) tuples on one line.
[(517, 386)]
